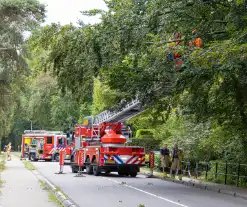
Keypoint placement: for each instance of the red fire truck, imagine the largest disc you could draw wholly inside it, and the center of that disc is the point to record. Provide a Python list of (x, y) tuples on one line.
[(44, 145), (101, 148)]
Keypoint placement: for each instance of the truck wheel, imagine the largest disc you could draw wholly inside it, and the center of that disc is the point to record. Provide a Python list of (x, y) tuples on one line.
[(121, 174), (56, 157), (89, 170), (48, 160), (32, 157), (96, 170), (133, 174)]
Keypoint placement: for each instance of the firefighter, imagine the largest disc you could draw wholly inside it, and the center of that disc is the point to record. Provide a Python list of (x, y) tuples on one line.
[(26, 148), (177, 156), (41, 146), (176, 46), (9, 151), (165, 159), (197, 41)]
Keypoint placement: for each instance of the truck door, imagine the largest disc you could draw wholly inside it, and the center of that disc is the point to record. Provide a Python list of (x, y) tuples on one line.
[(62, 144), (26, 141), (68, 145), (48, 145)]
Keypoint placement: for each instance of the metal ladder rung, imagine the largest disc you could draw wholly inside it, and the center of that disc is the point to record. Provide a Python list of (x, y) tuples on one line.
[(108, 116)]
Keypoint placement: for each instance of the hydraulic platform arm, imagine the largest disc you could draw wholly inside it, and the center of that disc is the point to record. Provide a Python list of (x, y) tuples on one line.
[(130, 110)]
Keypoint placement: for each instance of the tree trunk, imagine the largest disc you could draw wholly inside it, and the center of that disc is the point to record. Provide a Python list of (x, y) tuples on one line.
[(240, 101)]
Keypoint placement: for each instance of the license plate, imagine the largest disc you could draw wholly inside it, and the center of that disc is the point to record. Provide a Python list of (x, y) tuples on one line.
[(110, 161)]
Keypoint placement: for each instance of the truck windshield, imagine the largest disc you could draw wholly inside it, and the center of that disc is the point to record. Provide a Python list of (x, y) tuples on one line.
[(61, 141)]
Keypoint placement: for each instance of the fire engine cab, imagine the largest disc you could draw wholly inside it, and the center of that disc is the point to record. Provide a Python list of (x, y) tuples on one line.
[(44, 145), (101, 148)]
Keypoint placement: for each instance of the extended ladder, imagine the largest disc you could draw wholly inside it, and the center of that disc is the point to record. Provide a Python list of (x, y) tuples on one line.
[(130, 110)]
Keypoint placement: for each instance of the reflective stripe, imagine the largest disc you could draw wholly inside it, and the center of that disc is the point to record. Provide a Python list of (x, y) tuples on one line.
[(118, 160)]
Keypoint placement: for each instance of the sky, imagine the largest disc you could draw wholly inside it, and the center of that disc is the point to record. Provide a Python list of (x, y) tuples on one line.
[(68, 11)]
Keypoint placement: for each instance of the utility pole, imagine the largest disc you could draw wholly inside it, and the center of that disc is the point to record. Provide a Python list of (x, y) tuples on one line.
[(31, 125)]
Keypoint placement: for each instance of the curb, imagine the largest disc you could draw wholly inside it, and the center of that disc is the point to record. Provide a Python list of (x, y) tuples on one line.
[(200, 186), (64, 200)]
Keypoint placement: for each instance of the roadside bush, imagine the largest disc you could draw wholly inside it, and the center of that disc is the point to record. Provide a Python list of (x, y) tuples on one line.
[(148, 144)]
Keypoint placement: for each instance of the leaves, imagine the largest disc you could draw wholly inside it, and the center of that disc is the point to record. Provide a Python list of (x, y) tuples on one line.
[(17, 16), (128, 55)]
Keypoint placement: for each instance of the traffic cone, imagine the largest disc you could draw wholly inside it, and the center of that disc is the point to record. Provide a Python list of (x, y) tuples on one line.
[(61, 162)]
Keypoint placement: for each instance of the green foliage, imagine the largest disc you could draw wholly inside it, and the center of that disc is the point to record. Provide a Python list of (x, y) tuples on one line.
[(103, 97), (144, 133), (202, 108), (148, 144), (71, 55), (17, 16)]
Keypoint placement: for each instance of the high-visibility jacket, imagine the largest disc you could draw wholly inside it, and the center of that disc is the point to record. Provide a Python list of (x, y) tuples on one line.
[(196, 43), (177, 153)]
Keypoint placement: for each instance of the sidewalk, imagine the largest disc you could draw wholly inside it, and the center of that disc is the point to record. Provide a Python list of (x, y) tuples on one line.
[(21, 187), (220, 188)]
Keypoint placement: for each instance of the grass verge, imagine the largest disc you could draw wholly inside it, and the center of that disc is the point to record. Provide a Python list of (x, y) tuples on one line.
[(52, 197), (2, 166), (29, 165), (59, 190), (160, 174)]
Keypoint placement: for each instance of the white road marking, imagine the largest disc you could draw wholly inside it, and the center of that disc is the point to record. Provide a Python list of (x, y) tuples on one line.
[(156, 196)]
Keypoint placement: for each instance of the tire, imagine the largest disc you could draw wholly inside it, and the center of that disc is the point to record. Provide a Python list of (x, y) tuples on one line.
[(96, 170), (48, 160), (32, 157), (133, 174), (56, 157), (121, 174), (89, 169), (74, 169)]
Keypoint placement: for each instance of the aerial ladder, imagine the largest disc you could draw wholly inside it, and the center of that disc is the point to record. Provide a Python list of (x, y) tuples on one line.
[(130, 110)]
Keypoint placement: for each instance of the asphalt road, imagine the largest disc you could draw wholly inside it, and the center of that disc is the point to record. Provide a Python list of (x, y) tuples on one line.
[(115, 191)]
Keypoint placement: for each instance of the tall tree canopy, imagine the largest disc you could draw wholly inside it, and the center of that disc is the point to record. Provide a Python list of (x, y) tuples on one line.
[(128, 54), (16, 17)]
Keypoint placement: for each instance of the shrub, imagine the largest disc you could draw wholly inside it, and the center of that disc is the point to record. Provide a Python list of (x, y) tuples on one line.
[(148, 144)]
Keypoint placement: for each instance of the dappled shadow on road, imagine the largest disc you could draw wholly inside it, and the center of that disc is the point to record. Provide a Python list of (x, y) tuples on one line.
[(117, 176), (110, 175)]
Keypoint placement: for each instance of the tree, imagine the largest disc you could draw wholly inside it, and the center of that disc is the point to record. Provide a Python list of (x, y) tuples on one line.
[(17, 16), (130, 53), (70, 56), (103, 97)]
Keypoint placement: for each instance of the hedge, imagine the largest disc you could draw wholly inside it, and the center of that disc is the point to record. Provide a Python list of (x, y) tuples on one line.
[(148, 144)]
